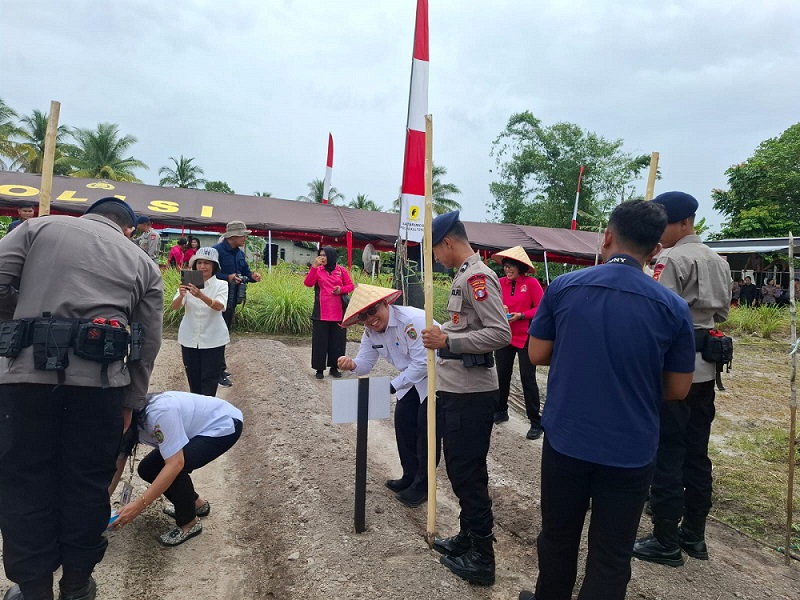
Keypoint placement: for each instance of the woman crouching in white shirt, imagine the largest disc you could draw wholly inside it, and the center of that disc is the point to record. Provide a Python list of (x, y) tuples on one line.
[(189, 431), (203, 333)]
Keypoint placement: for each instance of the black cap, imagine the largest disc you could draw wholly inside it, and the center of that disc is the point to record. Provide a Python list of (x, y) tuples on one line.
[(142, 220), (679, 205), (114, 200), (441, 225)]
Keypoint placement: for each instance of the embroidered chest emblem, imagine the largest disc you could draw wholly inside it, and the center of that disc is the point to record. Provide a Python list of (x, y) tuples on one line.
[(410, 331), (478, 283), (158, 434), (523, 289), (456, 319)]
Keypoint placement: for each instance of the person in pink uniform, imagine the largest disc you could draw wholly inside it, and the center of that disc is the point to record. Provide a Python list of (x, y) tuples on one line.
[(176, 258), (328, 340), (521, 296), (192, 247)]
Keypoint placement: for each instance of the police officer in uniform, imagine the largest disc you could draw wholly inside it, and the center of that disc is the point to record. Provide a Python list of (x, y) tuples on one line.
[(393, 332), (62, 413), (466, 385), (150, 239), (682, 481)]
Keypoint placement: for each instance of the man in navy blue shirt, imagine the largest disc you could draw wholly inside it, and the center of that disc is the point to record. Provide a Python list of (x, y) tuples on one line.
[(234, 269), (617, 343)]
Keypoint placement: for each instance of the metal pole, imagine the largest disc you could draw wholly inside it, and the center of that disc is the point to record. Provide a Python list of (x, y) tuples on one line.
[(269, 251), (546, 268), (362, 424), (792, 407)]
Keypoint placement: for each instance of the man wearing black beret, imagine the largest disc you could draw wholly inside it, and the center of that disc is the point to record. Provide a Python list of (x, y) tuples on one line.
[(681, 486)]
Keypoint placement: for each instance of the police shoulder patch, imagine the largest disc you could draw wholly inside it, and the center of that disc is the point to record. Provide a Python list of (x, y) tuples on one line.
[(410, 331), (657, 270), (478, 283)]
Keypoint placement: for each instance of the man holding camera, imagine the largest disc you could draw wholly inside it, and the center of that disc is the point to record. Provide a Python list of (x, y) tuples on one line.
[(234, 269)]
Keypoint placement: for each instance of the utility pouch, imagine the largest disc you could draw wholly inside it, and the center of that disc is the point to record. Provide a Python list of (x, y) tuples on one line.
[(101, 342), (485, 360), (51, 340), (717, 348), (14, 337), (137, 338), (445, 354)]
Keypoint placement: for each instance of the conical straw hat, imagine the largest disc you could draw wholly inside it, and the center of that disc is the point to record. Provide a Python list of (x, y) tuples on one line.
[(516, 253), (365, 296)]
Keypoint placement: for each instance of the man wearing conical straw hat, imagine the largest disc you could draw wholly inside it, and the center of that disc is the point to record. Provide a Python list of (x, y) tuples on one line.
[(393, 332)]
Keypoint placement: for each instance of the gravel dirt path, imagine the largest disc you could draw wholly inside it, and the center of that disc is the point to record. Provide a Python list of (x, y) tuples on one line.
[(281, 524)]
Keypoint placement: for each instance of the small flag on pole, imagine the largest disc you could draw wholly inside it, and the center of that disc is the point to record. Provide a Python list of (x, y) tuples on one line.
[(328, 171), (412, 191)]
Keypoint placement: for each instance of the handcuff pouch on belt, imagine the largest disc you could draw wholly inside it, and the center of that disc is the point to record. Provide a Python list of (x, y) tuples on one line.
[(470, 360), (715, 347)]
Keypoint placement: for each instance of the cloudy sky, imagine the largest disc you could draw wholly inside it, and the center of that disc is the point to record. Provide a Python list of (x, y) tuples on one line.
[(251, 88)]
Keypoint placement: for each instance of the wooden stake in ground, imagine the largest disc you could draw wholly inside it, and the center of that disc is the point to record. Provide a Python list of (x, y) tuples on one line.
[(651, 177), (792, 406), (427, 274), (49, 158)]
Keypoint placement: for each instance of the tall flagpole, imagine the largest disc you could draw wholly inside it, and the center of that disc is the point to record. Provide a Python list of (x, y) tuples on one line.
[(326, 190), (412, 190), (577, 197)]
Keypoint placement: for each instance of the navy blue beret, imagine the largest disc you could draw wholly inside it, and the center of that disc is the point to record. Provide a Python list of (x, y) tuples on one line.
[(114, 200), (679, 205), (441, 225), (142, 220)]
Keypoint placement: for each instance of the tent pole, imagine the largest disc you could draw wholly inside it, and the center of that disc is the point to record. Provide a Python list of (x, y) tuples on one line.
[(269, 251), (792, 406), (349, 237), (546, 268)]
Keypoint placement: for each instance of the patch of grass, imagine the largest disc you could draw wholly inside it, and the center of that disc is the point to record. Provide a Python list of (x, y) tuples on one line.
[(764, 320)]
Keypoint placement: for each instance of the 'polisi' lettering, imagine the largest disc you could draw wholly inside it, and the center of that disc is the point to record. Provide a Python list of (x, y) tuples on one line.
[(163, 206)]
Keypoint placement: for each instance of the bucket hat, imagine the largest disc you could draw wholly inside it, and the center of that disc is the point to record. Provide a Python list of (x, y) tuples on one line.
[(205, 253), (235, 229)]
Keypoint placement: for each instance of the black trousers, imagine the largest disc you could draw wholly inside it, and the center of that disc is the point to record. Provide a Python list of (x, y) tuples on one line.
[(203, 366), (504, 360), (467, 421), (682, 480), (227, 316), (617, 497), (58, 448), (411, 431), (328, 343), (200, 451)]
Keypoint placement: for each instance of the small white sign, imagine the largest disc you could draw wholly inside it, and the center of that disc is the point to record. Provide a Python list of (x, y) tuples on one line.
[(345, 399)]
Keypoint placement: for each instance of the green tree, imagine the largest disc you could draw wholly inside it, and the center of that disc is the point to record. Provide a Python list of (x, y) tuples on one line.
[(263, 194), (8, 129), (99, 153), (28, 151), (316, 188), (361, 202), (763, 199), (184, 175), (441, 193), (219, 186), (538, 168)]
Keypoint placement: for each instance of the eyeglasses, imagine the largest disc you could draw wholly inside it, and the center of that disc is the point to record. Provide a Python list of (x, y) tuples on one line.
[(370, 312)]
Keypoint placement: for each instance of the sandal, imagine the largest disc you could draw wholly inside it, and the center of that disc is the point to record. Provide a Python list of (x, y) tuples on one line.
[(203, 511), (176, 536)]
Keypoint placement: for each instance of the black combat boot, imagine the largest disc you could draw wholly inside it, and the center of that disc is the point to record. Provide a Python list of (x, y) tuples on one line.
[(662, 547), (85, 590), (455, 545), (40, 589), (692, 536), (477, 564)]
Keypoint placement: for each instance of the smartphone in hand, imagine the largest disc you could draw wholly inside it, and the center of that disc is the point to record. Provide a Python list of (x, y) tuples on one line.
[(191, 276)]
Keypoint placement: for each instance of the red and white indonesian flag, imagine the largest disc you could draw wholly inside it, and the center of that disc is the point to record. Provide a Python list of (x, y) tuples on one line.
[(412, 192), (326, 190)]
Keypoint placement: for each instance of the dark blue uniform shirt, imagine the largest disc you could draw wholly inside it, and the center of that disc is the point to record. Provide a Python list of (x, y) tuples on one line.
[(614, 331), (231, 260)]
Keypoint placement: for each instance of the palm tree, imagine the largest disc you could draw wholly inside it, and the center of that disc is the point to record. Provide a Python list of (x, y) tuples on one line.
[(316, 189), (441, 193), (99, 154), (363, 203), (184, 175), (8, 129), (29, 153), (263, 194)]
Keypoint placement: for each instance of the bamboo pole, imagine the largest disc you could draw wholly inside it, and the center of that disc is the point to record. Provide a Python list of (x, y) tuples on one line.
[(49, 158), (427, 274), (651, 177), (792, 406)]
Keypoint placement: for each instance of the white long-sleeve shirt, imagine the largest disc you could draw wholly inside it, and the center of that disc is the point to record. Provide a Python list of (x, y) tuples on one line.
[(401, 345)]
